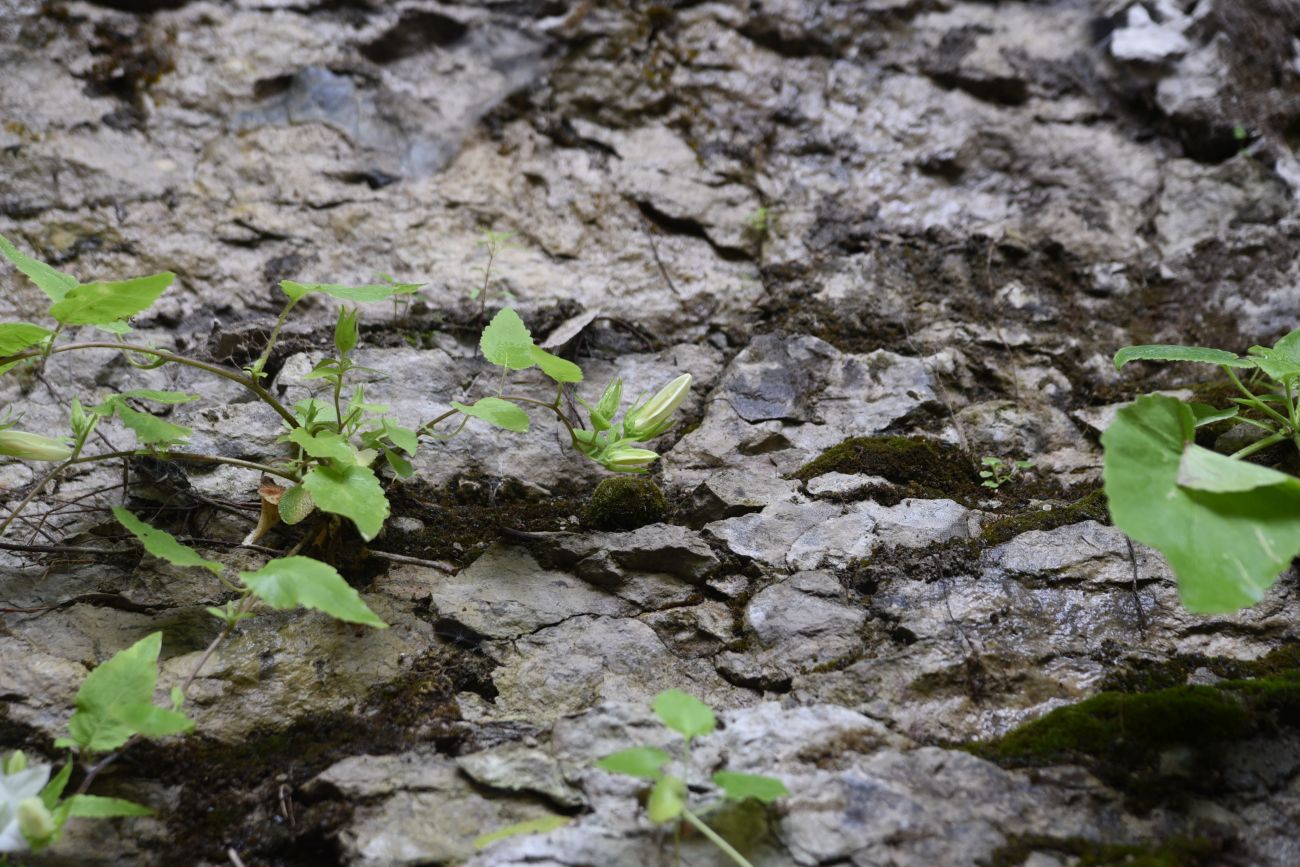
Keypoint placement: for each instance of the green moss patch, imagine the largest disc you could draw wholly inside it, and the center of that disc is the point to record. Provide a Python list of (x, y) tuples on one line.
[(625, 503), (920, 467), (459, 523), (1156, 746), (1089, 508), (1178, 852)]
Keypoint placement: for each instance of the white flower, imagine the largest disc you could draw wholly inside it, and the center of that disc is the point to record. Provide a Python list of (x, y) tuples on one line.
[(15, 788)]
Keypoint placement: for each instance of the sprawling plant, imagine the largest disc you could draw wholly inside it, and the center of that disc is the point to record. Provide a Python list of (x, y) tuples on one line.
[(335, 445), (1227, 526)]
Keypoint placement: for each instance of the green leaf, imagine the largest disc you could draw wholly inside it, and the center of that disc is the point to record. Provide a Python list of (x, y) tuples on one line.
[(152, 721), (400, 465), (149, 430), (739, 787), (369, 292), (558, 369), (150, 394), (1227, 538), (126, 678), (103, 303), (17, 336), (295, 505), (647, 762), (403, 437), (684, 713), (1275, 364), (121, 327), (54, 284), (353, 492), (532, 826), (1206, 414), (291, 581), (1162, 352), (325, 445), (667, 799), (506, 341), (1282, 361), (54, 788), (1204, 470), (95, 807), (494, 410), (162, 544)]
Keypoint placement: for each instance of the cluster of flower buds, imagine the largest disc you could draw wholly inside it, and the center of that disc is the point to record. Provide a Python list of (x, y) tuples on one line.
[(25, 821), (610, 444)]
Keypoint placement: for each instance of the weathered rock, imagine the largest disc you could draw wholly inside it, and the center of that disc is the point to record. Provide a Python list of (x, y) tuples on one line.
[(505, 594), (808, 536), (426, 813), (609, 559), (736, 492), (798, 624), (517, 768), (583, 660)]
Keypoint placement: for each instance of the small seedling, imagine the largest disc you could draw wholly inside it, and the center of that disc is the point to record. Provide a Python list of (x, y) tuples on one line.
[(998, 472), (669, 797), (495, 243)]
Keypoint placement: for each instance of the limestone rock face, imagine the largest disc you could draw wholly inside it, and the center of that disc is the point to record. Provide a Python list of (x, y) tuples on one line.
[(846, 219)]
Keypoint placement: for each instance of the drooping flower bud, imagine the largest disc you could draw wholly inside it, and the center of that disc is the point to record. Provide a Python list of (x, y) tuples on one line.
[(14, 763), (35, 822), (33, 447), (648, 421), (627, 459)]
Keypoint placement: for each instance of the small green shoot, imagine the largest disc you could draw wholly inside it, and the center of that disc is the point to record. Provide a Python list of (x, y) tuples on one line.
[(998, 472), (670, 795)]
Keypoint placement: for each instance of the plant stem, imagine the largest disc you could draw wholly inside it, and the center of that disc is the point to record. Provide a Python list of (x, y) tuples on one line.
[(338, 411), (544, 405), (175, 456), (247, 382), (270, 341), (1259, 445), (716, 839), (1256, 402), (194, 458)]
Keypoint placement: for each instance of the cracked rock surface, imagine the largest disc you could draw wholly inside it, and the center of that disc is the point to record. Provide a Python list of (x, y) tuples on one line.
[(919, 226)]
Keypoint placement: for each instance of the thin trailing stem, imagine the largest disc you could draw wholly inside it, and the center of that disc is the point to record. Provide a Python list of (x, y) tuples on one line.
[(193, 457), (716, 839), (552, 407), (492, 249), (216, 370), (270, 341), (175, 456)]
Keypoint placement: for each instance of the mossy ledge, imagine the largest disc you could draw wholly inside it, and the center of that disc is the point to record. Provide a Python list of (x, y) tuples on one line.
[(918, 467), (1092, 507), (1176, 852), (1157, 747)]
